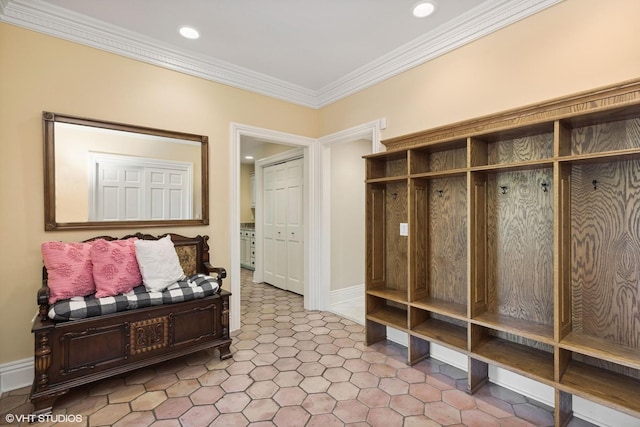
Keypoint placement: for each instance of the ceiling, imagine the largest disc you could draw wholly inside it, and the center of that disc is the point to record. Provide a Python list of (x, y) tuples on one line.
[(309, 52)]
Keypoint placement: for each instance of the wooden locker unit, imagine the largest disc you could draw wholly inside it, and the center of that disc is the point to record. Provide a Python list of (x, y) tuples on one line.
[(523, 245)]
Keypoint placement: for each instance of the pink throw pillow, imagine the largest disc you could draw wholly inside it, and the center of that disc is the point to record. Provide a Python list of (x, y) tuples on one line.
[(69, 270), (115, 268)]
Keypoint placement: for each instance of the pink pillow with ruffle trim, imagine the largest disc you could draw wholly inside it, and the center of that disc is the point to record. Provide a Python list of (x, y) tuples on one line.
[(69, 270), (115, 267)]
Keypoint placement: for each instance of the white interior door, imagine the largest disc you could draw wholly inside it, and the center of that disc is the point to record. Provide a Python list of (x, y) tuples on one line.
[(124, 188), (120, 192), (283, 241), (295, 230), (268, 227), (280, 223), (167, 193)]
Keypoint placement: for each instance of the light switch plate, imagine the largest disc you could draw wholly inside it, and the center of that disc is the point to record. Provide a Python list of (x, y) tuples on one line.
[(404, 229)]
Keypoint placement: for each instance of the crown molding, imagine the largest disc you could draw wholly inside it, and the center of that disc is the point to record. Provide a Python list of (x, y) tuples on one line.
[(472, 25), (476, 23)]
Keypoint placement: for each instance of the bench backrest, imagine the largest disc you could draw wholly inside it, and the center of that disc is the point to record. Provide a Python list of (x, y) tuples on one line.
[(193, 252)]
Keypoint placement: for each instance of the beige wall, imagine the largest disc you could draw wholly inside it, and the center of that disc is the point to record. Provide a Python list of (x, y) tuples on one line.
[(247, 214), (347, 213), (44, 73), (573, 46)]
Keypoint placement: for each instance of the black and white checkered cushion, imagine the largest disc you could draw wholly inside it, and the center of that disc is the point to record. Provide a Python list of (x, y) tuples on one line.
[(193, 287)]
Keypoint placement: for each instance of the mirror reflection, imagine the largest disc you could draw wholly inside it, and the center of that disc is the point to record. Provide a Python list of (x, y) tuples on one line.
[(113, 175)]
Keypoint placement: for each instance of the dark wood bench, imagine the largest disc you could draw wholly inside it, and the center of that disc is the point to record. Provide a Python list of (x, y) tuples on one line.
[(73, 353)]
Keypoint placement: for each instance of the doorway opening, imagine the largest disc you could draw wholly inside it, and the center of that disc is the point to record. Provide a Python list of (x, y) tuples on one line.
[(243, 135)]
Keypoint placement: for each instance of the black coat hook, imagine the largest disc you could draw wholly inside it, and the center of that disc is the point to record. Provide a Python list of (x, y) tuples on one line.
[(504, 189), (595, 184), (440, 192), (545, 186)]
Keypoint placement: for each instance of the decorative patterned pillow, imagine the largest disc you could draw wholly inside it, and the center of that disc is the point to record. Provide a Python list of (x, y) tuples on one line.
[(158, 262), (115, 267), (69, 270)]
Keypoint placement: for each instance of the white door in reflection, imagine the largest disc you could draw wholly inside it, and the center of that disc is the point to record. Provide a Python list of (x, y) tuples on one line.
[(132, 189)]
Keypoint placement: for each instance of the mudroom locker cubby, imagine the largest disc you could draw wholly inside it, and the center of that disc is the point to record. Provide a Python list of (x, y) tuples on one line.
[(514, 239)]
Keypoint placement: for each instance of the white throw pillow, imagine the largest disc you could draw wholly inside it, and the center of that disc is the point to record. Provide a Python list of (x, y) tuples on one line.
[(158, 262)]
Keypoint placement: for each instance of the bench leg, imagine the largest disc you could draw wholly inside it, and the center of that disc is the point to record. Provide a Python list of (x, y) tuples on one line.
[(224, 350), (44, 404)]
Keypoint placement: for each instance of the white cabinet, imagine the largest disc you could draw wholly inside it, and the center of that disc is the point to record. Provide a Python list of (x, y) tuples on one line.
[(247, 248)]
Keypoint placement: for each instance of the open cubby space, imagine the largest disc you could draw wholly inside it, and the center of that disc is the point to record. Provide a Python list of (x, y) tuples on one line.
[(446, 156), (437, 328), (530, 358), (600, 133), (531, 144), (386, 312), (605, 243), (387, 166), (439, 247), (515, 257), (602, 381), (387, 250), (602, 348)]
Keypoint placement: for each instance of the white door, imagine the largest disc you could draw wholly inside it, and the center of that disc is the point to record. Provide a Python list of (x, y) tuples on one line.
[(120, 193), (268, 229), (283, 242), (280, 227), (295, 229), (167, 194), (130, 188)]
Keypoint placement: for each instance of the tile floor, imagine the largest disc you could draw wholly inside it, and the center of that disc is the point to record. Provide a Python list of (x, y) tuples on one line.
[(291, 367)]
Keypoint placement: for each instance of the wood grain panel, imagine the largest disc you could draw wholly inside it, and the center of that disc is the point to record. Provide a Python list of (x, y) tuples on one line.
[(391, 165), (449, 159), (618, 135), (477, 150), (520, 245), (442, 332), (396, 167), (419, 235), (605, 240), (535, 147), (396, 245), (526, 360), (447, 255), (604, 387), (563, 256), (375, 235), (445, 156), (606, 365), (478, 236)]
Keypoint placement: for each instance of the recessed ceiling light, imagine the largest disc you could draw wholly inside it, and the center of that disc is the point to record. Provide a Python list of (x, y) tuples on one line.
[(189, 32), (423, 9), (248, 157)]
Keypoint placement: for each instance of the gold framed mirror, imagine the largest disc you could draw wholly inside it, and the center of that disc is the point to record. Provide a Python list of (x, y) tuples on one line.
[(101, 175)]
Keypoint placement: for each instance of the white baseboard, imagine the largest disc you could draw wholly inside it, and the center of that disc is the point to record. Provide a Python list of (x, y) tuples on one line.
[(339, 296), (17, 374), (584, 409)]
